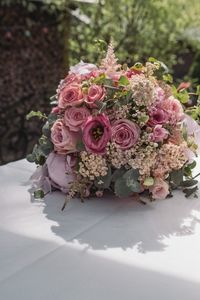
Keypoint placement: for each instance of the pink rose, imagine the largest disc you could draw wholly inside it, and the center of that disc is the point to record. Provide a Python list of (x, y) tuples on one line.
[(95, 93), (83, 68), (55, 110), (96, 133), (60, 171), (64, 141), (74, 117), (70, 96), (160, 94), (174, 109), (157, 116), (125, 133), (159, 133), (160, 189)]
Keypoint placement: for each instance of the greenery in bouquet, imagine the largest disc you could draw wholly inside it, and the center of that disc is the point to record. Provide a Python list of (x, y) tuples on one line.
[(117, 128)]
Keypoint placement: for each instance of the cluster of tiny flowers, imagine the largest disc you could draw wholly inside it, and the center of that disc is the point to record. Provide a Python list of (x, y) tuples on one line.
[(143, 90), (144, 161), (170, 157), (92, 165), (115, 155), (151, 68), (122, 112)]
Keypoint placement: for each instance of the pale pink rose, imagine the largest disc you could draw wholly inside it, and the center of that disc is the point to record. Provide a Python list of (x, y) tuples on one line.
[(70, 96), (157, 116), (159, 133), (95, 93), (125, 133), (60, 171), (174, 109), (160, 94), (96, 133), (74, 117), (63, 139), (160, 189), (83, 68)]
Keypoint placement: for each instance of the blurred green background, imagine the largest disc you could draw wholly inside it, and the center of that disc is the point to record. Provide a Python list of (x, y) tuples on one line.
[(41, 39)]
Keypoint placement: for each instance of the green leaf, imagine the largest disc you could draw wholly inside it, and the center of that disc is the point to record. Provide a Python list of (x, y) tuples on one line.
[(39, 194), (121, 188), (100, 79), (118, 174), (80, 146), (104, 181), (30, 158), (51, 119), (168, 78), (183, 96), (37, 114), (189, 192), (189, 183), (131, 177), (176, 177), (46, 130), (123, 80)]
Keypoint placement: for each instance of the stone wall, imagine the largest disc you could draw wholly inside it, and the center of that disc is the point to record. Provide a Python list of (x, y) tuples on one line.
[(31, 65)]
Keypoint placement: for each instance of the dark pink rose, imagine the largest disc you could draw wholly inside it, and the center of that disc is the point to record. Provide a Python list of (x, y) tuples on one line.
[(157, 116), (60, 171), (74, 117), (96, 133), (125, 133), (160, 189), (95, 93), (55, 110), (63, 139), (70, 96), (159, 133)]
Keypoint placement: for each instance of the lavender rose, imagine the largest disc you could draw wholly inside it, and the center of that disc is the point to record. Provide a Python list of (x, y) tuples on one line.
[(160, 189), (74, 117), (96, 133), (83, 68), (125, 133), (60, 171), (70, 96), (64, 141)]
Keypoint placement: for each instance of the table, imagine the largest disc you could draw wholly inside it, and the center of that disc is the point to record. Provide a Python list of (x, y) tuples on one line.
[(108, 248)]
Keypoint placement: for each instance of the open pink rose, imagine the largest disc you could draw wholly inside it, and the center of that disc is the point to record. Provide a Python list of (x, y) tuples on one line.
[(74, 117), (95, 93), (125, 133), (96, 133), (70, 95), (157, 116), (63, 139), (159, 133), (174, 109), (160, 189), (60, 171)]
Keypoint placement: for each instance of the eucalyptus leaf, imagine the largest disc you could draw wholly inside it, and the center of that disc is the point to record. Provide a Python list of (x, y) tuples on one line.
[(121, 188), (39, 194)]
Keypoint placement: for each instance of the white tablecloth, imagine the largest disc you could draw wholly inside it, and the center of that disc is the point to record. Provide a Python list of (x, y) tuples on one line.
[(102, 249)]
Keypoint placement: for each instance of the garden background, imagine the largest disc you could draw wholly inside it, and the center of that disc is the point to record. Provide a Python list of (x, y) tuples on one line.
[(39, 40)]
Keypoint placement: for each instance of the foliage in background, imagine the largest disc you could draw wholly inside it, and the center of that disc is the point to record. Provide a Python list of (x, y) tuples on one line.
[(163, 29)]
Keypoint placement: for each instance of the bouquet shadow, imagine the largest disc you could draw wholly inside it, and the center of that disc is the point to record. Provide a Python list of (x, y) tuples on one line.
[(109, 222)]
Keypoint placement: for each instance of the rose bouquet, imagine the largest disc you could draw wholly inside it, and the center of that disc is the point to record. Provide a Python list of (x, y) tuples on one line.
[(116, 128)]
